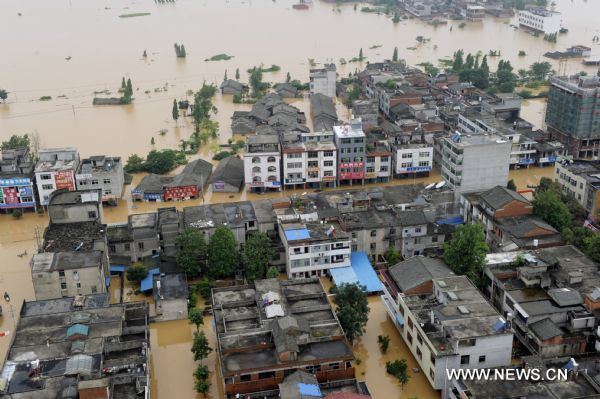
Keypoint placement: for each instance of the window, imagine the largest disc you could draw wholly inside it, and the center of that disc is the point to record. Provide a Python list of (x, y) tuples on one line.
[(467, 342), (328, 154), (46, 177), (47, 187), (94, 289), (107, 192), (423, 163), (313, 369), (94, 182), (373, 246), (370, 159), (78, 285), (294, 165), (83, 183), (431, 374), (295, 155), (419, 354), (266, 374), (417, 229), (409, 337), (373, 233), (409, 322), (75, 275), (313, 154), (334, 366), (61, 273), (92, 214), (383, 169), (106, 181), (127, 247), (482, 359), (432, 358), (245, 378), (406, 155), (424, 154), (434, 239), (256, 169), (112, 248), (384, 159), (419, 338), (464, 360), (327, 163), (141, 245), (63, 286)]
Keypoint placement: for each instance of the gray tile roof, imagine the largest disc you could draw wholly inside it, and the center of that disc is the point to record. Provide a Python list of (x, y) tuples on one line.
[(417, 270), (565, 296), (229, 170), (499, 196), (545, 329)]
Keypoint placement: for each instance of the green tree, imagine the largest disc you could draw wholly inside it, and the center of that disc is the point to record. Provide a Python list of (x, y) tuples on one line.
[(272, 272), (16, 141), (161, 161), (237, 74), (258, 252), (145, 54), (592, 247), (3, 95), (200, 346), (457, 63), (191, 251), (225, 76), (384, 343), (396, 18), (576, 235), (152, 142), (392, 255), (201, 379), (540, 70), (395, 56), (175, 111), (256, 82), (398, 368), (465, 252), (288, 78), (136, 272), (360, 55), (123, 84), (352, 309), (17, 213), (549, 206), (223, 254), (135, 164), (511, 185), (129, 87), (196, 317)]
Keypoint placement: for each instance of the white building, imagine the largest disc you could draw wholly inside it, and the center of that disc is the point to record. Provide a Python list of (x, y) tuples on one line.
[(105, 173), (452, 327), (321, 159), (294, 165), (323, 80), (262, 159), (413, 159), (311, 249), (541, 20), (475, 162), (55, 170)]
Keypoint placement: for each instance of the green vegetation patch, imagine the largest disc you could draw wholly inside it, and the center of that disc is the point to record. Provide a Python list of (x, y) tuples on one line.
[(134, 14)]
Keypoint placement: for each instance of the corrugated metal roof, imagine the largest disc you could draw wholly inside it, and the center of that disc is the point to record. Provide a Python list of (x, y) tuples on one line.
[(80, 329), (79, 364)]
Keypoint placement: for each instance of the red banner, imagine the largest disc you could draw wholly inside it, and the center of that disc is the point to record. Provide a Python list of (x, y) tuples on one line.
[(180, 192), (10, 195), (64, 179)]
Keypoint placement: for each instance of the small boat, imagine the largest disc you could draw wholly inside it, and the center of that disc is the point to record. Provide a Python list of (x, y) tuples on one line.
[(6, 297)]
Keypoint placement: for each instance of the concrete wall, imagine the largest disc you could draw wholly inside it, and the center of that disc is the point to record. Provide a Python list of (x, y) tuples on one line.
[(47, 285)]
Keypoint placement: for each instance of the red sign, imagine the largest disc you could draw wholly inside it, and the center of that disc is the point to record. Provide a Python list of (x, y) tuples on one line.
[(64, 179), (352, 165), (10, 195), (355, 175), (180, 192)]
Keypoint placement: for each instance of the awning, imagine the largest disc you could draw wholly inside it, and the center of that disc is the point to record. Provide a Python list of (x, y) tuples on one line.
[(399, 320), (117, 268), (451, 221), (360, 272), (146, 284)]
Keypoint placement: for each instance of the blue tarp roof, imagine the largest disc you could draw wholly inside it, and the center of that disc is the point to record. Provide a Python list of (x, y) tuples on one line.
[(399, 320), (361, 272), (297, 234), (107, 281), (146, 284), (452, 221), (117, 268), (80, 329), (309, 390)]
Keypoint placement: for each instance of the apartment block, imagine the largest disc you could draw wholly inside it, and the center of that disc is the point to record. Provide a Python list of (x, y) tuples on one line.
[(321, 159), (16, 179), (102, 172), (413, 160), (323, 80), (262, 163), (294, 165), (541, 20), (55, 170), (581, 180), (350, 141)]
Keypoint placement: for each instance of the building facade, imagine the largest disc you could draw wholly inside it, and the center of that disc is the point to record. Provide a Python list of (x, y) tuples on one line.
[(541, 20), (323, 80), (16, 179), (412, 160), (55, 170), (102, 172), (573, 114), (581, 180), (350, 141), (262, 163)]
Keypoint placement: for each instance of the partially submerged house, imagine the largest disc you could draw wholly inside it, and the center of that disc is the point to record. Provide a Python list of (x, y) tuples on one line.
[(228, 176)]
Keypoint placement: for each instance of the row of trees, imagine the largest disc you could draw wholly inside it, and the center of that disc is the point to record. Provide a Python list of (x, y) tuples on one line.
[(221, 257), (157, 161), (3, 95), (180, 50), (127, 91)]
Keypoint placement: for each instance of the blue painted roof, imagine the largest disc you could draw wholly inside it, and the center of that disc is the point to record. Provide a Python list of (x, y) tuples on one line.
[(309, 390), (146, 284), (81, 329), (361, 272), (297, 234), (451, 221), (117, 268)]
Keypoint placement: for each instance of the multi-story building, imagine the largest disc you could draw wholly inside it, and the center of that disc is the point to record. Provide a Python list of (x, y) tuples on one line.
[(581, 180), (350, 141), (16, 179), (311, 249), (447, 324), (321, 159), (288, 326), (55, 170), (73, 257), (473, 12), (475, 162), (378, 164), (323, 112), (262, 163), (323, 80), (79, 347), (367, 111), (413, 159), (294, 165), (573, 114), (542, 20), (102, 172)]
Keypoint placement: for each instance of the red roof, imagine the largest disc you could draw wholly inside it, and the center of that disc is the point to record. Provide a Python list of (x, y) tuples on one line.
[(346, 395)]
